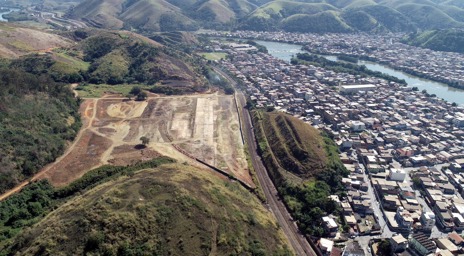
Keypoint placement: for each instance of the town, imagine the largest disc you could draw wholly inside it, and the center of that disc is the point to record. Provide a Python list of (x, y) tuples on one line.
[(446, 67), (403, 148)]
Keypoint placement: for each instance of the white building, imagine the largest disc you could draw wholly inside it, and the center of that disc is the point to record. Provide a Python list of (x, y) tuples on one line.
[(397, 175), (427, 220), (357, 126), (347, 89), (326, 246)]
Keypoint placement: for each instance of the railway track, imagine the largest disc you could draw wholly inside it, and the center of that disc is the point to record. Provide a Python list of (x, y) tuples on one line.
[(297, 240)]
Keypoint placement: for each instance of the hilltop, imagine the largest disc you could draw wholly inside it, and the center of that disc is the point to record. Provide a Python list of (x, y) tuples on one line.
[(160, 15), (347, 16), (168, 209), (449, 40)]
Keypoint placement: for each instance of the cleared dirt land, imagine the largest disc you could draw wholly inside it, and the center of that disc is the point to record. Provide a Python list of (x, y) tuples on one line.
[(182, 127)]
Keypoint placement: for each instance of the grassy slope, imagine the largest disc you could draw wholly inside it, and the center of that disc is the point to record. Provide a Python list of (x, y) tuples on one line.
[(328, 21), (16, 40), (360, 3), (173, 209), (439, 40), (304, 166), (427, 16), (297, 147)]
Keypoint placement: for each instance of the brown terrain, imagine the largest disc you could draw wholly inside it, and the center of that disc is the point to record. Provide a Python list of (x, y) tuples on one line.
[(16, 40), (182, 127)]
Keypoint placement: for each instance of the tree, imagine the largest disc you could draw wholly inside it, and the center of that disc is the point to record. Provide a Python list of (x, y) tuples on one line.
[(145, 140), (141, 96), (417, 182), (385, 248), (454, 104), (135, 90), (424, 91), (415, 89)]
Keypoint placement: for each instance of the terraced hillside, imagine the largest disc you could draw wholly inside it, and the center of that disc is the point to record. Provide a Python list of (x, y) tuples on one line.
[(172, 209), (303, 164), (296, 146)]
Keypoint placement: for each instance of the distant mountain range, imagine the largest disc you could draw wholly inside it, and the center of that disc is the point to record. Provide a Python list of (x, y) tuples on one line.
[(289, 15)]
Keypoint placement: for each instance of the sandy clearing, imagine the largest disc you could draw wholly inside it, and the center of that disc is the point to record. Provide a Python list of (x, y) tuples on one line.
[(181, 127)]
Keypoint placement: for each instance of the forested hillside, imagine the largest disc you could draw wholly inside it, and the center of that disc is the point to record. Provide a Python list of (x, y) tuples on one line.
[(38, 116)]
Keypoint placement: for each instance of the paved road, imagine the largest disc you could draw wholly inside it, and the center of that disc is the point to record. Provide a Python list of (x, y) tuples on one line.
[(297, 240)]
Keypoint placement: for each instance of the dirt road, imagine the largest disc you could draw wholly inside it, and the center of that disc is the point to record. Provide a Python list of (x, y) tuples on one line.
[(90, 104)]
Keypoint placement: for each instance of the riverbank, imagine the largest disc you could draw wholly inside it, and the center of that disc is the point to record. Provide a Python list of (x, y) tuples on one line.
[(285, 51)]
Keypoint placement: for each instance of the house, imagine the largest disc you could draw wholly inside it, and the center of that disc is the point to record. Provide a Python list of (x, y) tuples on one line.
[(326, 246), (446, 244), (330, 226), (427, 220), (421, 244), (456, 239), (398, 243), (397, 175)]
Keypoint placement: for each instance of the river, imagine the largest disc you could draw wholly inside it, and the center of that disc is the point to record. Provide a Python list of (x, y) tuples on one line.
[(2, 12), (285, 52)]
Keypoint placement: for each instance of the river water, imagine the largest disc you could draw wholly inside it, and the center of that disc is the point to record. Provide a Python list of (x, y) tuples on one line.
[(285, 52), (2, 12)]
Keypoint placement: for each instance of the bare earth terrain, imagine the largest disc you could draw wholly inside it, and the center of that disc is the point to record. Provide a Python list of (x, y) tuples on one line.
[(182, 127)]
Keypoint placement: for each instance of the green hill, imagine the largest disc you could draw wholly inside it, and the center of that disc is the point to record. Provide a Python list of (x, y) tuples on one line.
[(428, 17), (386, 18), (160, 15), (156, 15), (172, 209), (376, 16), (450, 40), (303, 164), (271, 16), (322, 22)]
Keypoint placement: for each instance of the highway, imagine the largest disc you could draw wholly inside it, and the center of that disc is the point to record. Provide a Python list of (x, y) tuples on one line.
[(298, 242)]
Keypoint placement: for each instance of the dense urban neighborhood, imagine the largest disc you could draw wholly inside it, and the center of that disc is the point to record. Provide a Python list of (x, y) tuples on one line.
[(439, 66), (403, 147)]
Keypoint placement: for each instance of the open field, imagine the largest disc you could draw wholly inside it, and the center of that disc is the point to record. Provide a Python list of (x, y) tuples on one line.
[(99, 90), (182, 127), (213, 55)]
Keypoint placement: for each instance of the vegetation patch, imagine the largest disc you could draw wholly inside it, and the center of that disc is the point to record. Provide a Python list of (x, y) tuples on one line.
[(342, 67), (165, 209), (35, 129), (213, 55)]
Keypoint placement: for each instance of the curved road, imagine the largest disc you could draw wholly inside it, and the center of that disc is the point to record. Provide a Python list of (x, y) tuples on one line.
[(297, 240)]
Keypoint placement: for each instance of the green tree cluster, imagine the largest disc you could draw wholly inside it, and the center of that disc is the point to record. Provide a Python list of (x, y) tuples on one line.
[(38, 116), (342, 67)]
